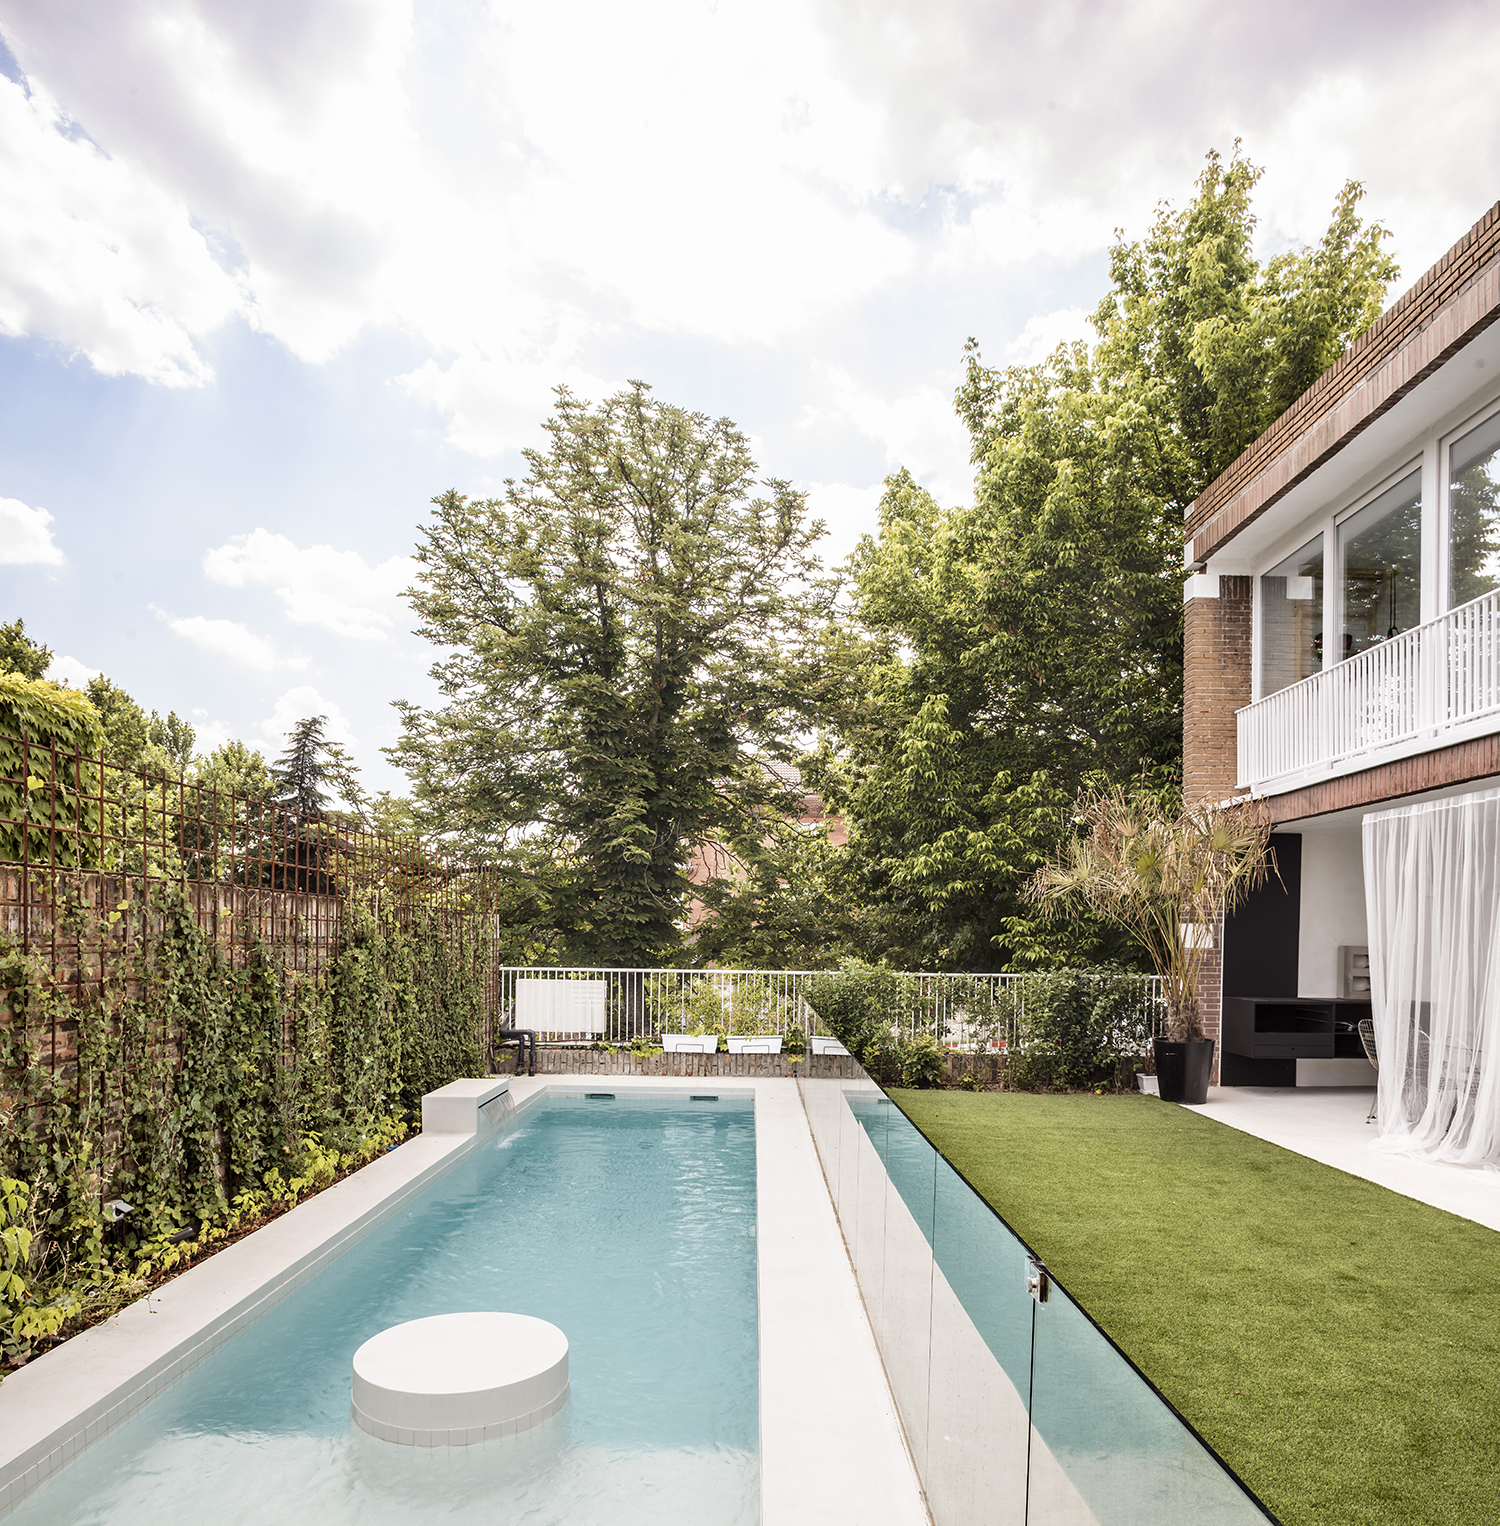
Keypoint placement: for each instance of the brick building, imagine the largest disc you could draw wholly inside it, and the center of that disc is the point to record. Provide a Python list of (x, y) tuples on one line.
[(1342, 629)]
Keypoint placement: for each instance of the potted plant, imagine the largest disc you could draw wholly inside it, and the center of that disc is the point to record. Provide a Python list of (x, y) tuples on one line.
[(1167, 877)]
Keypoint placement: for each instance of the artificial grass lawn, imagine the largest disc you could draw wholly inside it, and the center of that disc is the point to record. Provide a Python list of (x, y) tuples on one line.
[(1337, 1343)]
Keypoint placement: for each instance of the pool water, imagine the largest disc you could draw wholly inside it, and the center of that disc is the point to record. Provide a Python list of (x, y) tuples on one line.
[(629, 1224)]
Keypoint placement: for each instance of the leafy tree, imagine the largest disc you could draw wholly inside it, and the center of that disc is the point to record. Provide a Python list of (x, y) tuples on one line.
[(235, 769), (20, 654), (635, 635), (1030, 644), (132, 739), (791, 909)]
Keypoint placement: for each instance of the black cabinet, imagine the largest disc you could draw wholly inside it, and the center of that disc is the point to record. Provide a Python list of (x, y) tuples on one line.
[(1293, 1027)]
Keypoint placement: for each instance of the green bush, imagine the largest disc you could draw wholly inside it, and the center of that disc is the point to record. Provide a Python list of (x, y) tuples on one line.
[(1076, 1026), (923, 1061), (855, 1005), (49, 797)]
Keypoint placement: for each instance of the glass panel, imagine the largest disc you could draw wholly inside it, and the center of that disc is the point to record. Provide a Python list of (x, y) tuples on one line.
[(903, 1321), (1474, 514), (1105, 1447), (1291, 618), (1380, 551), (981, 1362), (1015, 1411)]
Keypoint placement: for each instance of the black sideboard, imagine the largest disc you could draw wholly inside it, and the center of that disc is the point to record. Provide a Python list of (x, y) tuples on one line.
[(1293, 1027)]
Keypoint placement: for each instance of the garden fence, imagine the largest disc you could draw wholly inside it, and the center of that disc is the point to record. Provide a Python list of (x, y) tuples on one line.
[(580, 1005)]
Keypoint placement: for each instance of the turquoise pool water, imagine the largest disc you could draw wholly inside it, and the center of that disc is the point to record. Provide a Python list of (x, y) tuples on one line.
[(629, 1224)]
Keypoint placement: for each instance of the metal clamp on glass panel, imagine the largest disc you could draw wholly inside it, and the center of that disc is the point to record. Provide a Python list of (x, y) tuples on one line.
[(1037, 1280)]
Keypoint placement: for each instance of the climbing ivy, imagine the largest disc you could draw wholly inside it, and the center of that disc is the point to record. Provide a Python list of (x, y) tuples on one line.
[(198, 1083)]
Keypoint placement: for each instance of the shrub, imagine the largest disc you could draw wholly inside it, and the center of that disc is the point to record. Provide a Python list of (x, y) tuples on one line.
[(922, 1061), (49, 808), (1076, 1026), (854, 1004)]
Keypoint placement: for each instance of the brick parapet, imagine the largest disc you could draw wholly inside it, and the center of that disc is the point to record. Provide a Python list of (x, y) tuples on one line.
[(1216, 674), (1462, 763), (1306, 433)]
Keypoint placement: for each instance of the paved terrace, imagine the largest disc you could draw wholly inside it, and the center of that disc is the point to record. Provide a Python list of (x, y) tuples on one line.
[(1327, 1124)]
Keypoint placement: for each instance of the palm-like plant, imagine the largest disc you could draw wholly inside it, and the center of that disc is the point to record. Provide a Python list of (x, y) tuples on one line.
[(1165, 878)]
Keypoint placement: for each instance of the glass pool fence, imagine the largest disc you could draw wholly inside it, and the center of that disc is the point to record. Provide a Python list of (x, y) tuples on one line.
[(1017, 1408)]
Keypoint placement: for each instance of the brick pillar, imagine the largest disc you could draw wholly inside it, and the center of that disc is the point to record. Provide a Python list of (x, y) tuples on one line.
[(1216, 683)]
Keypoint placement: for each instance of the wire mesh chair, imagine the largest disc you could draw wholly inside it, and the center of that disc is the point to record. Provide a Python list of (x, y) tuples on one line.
[(1367, 1038)]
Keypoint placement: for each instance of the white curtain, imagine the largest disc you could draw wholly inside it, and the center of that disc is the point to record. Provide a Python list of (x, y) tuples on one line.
[(1432, 898)]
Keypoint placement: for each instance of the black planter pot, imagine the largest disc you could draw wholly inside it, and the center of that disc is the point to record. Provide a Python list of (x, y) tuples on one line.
[(1182, 1069)]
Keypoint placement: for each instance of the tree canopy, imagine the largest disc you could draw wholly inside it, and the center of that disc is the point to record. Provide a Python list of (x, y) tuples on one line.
[(634, 636), (1030, 644)]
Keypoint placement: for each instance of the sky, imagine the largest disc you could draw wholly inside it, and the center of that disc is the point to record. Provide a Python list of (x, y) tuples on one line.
[(274, 275)]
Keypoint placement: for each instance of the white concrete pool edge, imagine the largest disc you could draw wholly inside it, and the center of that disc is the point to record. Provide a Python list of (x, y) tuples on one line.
[(831, 1444), (57, 1406), (831, 1447)]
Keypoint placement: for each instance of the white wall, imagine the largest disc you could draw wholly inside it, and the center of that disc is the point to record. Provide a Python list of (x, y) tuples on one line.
[(1333, 904)]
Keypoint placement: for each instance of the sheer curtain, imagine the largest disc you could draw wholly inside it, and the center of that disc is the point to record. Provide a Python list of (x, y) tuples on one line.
[(1432, 896)]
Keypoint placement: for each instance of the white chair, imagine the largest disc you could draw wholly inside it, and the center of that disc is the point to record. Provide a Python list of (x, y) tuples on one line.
[(818, 1044), (755, 1043), (690, 1043)]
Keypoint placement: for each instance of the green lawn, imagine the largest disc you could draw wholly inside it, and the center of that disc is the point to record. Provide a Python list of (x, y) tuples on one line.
[(1337, 1343)]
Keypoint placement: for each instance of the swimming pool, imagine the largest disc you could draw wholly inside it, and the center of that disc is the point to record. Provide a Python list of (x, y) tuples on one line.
[(629, 1223)]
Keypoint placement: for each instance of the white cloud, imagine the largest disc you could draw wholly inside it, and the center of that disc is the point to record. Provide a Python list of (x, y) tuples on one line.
[(228, 638), (98, 254), (25, 536), (317, 585), (208, 733), (68, 670), (533, 193), (849, 511), (296, 705), (1044, 332), (918, 429)]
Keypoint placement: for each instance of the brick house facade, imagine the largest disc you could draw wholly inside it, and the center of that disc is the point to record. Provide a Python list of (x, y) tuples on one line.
[(1342, 634)]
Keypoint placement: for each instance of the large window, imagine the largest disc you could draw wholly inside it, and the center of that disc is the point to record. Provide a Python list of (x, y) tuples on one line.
[(1380, 557), (1474, 514), (1291, 618)]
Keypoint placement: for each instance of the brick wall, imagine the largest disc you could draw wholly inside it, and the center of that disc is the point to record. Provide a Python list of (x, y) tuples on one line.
[(1210, 995), (1462, 763), (1216, 672)]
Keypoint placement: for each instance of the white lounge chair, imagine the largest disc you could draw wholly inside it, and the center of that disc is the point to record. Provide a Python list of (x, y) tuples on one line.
[(819, 1044), (755, 1043), (690, 1043)]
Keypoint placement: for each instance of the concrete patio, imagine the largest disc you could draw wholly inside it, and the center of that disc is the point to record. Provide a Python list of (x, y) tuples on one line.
[(1328, 1124)]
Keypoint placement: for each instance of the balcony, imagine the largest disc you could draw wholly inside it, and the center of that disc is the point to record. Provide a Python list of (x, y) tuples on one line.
[(1429, 687)]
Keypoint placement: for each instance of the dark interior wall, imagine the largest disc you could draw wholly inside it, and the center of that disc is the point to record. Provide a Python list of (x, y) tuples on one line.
[(1260, 956)]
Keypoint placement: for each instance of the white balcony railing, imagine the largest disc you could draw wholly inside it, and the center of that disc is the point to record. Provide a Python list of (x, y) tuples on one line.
[(1432, 685)]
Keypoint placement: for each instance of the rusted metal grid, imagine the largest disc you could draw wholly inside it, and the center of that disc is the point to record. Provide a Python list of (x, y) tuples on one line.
[(91, 837)]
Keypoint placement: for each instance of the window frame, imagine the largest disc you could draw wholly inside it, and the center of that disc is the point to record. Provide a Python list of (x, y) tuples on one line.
[(1445, 444)]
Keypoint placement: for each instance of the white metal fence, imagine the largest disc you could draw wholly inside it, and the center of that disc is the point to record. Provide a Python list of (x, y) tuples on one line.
[(1434, 679), (581, 1005)]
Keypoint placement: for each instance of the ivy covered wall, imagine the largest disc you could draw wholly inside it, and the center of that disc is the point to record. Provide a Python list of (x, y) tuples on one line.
[(148, 1057)]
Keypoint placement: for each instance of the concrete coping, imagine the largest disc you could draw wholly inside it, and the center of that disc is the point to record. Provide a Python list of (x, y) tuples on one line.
[(459, 1107)]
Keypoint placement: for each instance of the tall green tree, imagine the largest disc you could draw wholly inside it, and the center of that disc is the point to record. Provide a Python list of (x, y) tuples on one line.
[(634, 636), (300, 773), (1030, 643)]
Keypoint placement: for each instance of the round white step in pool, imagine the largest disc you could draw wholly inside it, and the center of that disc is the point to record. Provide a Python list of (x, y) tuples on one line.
[(454, 1379)]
